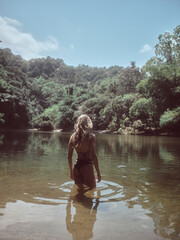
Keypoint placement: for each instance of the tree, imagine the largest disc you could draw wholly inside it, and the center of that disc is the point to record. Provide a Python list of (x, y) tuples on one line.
[(168, 47), (142, 109), (129, 78), (164, 86)]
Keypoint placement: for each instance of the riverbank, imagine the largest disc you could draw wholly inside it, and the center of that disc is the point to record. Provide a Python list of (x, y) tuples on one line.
[(147, 132), (124, 131)]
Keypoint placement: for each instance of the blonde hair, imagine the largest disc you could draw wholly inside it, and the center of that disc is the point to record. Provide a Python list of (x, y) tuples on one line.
[(83, 128)]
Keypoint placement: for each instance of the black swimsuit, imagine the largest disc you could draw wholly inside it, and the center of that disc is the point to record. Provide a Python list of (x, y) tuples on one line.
[(84, 171), (82, 162)]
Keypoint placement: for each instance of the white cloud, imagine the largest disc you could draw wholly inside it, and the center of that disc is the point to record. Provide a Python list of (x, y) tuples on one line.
[(146, 48), (23, 43), (12, 22)]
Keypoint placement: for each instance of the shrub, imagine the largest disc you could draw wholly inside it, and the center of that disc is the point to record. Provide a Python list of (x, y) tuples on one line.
[(138, 125), (141, 109), (170, 119), (46, 126)]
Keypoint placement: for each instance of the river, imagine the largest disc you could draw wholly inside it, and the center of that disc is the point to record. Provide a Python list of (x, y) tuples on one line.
[(138, 197)]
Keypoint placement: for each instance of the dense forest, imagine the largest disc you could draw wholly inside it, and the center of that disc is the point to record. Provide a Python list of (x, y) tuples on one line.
[(45, 93)]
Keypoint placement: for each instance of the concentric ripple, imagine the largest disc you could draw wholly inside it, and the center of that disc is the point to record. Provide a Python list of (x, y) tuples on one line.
[(106, 191)]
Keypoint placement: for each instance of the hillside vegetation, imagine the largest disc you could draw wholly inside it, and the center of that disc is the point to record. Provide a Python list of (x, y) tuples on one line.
[(46, 93)]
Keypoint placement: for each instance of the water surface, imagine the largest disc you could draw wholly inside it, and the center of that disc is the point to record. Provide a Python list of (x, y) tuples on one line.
[(138, 197)]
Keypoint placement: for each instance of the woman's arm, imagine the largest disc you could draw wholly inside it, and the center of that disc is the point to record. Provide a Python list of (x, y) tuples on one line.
[(95, 158), (70, 153)]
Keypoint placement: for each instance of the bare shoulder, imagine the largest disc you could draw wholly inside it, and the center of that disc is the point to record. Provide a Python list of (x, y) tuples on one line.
[(71, 139), (72, 136)]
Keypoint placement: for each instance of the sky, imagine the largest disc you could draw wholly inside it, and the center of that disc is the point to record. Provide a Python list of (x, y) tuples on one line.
[(98, 33)]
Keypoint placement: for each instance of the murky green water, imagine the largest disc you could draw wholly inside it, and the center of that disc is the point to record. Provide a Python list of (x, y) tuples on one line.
[(138, 198)]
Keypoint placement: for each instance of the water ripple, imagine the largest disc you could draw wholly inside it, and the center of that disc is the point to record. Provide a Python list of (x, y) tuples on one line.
[(106, 191)]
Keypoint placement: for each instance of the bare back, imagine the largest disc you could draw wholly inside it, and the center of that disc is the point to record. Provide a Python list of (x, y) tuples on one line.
[(86, 149)]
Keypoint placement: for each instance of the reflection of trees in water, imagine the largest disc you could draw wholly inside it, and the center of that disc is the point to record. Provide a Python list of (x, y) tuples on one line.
[(46, 142), (13, 141), (81, 224), (142, 151), (169, 155), (42, 143), (29, 160), (126, 147), (64, 139), (32, 141)]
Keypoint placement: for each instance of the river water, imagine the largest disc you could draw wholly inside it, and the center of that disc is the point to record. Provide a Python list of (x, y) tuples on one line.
[(138, 197)]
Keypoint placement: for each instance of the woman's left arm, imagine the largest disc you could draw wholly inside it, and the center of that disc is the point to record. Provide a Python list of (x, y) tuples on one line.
[(70, 153)]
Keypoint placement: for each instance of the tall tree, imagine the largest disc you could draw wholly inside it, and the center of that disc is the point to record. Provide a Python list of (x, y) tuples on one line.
[(168, 47)]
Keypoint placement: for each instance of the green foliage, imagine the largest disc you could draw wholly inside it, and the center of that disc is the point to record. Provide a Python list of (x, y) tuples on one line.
[(52, 113), (130, 77), (49, 115), (142, 87), (138, 125), (106, 115), (163, 85), (169, 46), (116, 112), (113, 125), (170, 119), (46, 126), (4, 86), (92, 107), (123, 82), (141, 109)]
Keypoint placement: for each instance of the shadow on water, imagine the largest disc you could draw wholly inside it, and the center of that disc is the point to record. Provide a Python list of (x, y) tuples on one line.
[(139, 172)]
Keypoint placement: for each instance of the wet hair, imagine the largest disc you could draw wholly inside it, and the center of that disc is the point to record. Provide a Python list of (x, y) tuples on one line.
[(83, 128)]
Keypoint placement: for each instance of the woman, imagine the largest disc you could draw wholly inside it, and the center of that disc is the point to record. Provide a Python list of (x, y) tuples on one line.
[(83, 141)]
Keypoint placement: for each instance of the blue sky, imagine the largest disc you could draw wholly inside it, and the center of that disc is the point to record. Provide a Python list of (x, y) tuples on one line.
[(100, 33)]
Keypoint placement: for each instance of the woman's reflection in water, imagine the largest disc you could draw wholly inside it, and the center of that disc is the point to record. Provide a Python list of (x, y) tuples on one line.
[(81, 224)]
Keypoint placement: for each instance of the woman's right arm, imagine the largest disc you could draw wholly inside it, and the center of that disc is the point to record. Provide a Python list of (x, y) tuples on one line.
[(70, 153)]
